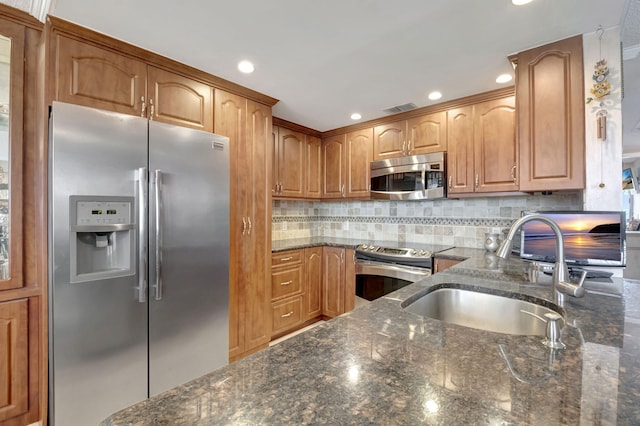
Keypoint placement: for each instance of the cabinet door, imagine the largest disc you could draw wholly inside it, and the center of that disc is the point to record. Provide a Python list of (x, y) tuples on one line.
[(333, 155), (359, 154), (313, 282), (292, 150), (99, 78), (440, 264), (178, 100), (495, 145), (313, 168), (349, 279), (427, 133), (257, 262), (333, 273), (14, 362), (230, 119), (389, 140), (460, 150), (275, 180), (550, 92)]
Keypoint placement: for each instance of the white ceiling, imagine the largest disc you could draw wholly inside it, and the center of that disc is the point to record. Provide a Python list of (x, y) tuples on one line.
[(327, 59)]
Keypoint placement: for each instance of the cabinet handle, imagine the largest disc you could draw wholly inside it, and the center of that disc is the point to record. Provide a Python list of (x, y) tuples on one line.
[(404, 147), (342, 190), (287, 282), (450, 181), (152, 109), (513, 173), (477, 181), (143, 107), (288, 314), (250, 226), (342, 256), (244, 225), (409, 147), (285, 259)]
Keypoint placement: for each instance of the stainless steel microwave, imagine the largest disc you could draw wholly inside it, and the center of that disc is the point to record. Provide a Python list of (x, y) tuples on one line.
[(415, 177)]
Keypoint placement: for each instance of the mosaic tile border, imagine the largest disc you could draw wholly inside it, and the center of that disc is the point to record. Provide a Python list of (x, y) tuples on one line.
[(453, 221)]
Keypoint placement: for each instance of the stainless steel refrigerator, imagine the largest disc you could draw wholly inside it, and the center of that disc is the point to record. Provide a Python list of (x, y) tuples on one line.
[(139, 260)]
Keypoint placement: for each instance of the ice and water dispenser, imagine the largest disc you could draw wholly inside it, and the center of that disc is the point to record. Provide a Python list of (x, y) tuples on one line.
[(102, 237)]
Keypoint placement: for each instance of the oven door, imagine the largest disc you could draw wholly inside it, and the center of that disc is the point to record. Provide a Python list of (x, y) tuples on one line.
[(376, 279)]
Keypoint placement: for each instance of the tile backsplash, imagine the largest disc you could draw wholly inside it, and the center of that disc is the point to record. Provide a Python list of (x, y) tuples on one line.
[(459, 222)]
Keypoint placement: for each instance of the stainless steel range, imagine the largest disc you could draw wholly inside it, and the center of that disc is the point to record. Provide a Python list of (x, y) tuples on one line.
[(385, 267)]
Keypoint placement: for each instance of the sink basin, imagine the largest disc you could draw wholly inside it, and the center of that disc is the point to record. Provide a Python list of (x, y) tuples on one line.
[(477, 309)]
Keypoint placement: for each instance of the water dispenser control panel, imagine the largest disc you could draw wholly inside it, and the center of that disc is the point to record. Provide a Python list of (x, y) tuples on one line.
[(97, 213)]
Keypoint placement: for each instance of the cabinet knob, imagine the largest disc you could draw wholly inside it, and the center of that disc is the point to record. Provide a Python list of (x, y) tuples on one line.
[(143, 106), (152, 109)]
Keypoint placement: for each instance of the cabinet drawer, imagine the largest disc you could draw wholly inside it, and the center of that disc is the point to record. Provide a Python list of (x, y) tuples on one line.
[(286, 314), (286, 282), (284, 258)]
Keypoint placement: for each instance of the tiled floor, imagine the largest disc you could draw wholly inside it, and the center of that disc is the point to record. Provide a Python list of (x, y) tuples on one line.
[(359, 302)]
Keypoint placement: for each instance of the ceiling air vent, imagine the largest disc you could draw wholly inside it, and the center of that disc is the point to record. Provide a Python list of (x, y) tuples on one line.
[(400, 108)]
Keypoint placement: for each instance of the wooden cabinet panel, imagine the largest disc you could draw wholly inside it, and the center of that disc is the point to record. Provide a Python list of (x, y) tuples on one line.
[(275, 184), (99, 78), (14, 360), (333, 154), (495, 145), (333, 276), (257, 261), (427, 133), (389, 140), (286, 314), (248, 126), (313, 186), (550, 91), (230, 120), (291, 165), (313, 282), (460, 150), (178, 100), (349, 279), (286, 282), (440, 264), (358, 157)]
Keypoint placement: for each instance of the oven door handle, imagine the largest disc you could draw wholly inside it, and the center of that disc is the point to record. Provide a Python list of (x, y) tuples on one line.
[(406, 273)]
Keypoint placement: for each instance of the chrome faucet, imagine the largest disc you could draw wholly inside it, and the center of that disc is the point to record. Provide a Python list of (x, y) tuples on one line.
[(561, 282)]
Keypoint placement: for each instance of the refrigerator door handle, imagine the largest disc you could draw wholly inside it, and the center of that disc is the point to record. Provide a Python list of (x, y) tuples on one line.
[(143, 258), (158, 233)]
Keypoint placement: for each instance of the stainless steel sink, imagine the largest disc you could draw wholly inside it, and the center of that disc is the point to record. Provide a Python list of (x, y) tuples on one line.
[(491, 312)]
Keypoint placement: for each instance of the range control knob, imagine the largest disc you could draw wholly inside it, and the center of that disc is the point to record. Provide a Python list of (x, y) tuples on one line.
[(412, 252), (364, 247), (423, 252)]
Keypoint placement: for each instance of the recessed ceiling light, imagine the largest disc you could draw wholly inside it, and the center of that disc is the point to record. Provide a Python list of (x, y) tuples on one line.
[(356, 116), (520, 2), (504, 78), (245, 67), (434, 96)]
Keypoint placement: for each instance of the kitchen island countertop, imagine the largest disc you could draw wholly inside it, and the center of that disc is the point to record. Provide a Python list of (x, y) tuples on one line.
[(382, 365)]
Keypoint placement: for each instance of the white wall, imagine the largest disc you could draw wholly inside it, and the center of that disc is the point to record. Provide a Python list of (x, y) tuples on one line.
[(603, 159)]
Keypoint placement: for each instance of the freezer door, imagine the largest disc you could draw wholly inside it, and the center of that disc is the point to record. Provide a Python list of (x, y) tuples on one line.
[(97, 327), (189, 254)]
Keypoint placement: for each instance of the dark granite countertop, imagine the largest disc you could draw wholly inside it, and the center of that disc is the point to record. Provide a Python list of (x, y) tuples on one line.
[(300, 243), (382, 365)]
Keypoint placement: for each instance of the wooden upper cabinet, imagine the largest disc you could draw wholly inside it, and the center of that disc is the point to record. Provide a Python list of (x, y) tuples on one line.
[(333, 155), (389, 140), (99, 78), (495, 145), (291, 173), (275, 185), (174, 99), (460, 150), (313, 186), (427, 133), (550, 90), (482, 153), (14, 360), (357, 162)]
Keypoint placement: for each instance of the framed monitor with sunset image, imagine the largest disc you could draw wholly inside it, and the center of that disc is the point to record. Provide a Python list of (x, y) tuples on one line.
[(591, 238)]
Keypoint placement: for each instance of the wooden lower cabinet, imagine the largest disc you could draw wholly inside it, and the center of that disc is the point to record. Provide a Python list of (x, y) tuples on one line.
[(313, 282), (442, 263), (14, 359), (286, 314), (338, 281), (287, 274)]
